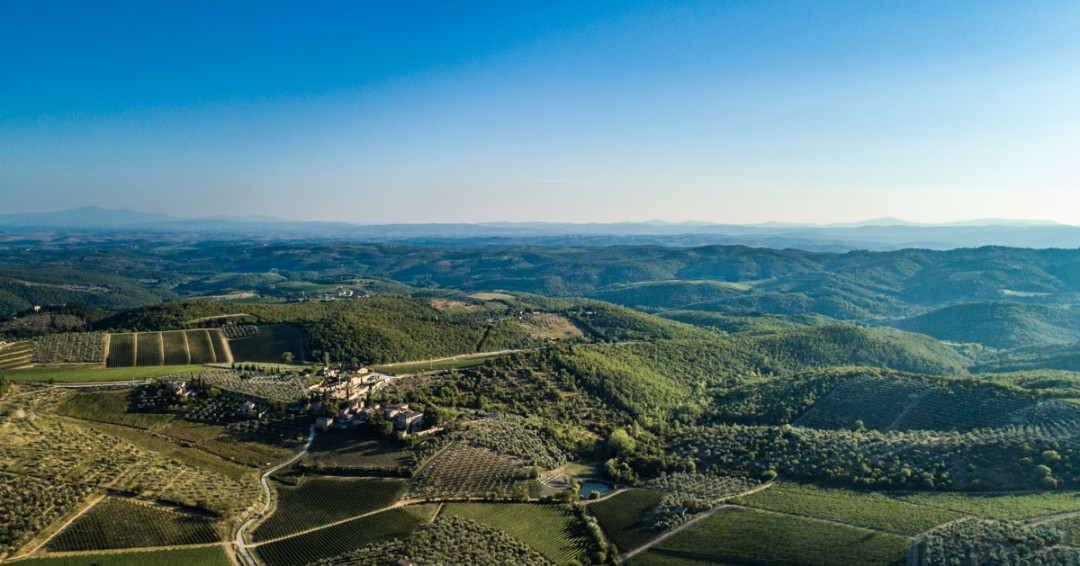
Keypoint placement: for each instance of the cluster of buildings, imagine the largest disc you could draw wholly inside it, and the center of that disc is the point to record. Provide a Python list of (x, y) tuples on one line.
[(351, 416), (349, 386)]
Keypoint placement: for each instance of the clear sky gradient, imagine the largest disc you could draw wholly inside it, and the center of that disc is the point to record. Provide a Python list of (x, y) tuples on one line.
[(397, 111)]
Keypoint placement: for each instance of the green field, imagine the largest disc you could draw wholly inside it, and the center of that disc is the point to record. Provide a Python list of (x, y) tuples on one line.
[(552, 530), (1011, 507), (747, 535), (318, 501), (119, 523), (329, 542), (268, 345), (623, 517), (861, 509), (88, 374), (202, 556), (415, 367)]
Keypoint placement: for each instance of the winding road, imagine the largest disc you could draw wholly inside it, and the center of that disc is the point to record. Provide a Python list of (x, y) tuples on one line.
[(241, 546)]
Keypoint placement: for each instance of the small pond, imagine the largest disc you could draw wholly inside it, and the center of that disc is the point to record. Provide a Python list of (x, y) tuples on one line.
[(590, 486)]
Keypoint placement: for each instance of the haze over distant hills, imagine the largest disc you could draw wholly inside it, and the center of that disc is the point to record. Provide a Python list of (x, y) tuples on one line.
[(875, 234)]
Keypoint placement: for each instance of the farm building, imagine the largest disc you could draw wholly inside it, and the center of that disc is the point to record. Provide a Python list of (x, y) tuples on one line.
[(409, 420)]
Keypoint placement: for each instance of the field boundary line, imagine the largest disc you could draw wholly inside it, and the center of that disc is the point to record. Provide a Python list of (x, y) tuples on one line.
[(88, 505), (457, 357), (663, 536), (908, 408), (587, 502), (402, 503), (132, 550), (824, 519), (1043, 519), (108, 346), (187, 346), (634, 552), (210, 342)]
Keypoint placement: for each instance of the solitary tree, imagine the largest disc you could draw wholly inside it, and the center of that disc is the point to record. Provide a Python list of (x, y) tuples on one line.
[(287, 357)]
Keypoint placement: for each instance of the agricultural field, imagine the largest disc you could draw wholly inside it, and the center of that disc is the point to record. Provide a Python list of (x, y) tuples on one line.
[(513, 435), (271, 387), (346, 450), (70, 348), (549, 326), (178, 347), (745, 535), (121, 523), (17, 355), (552, 530), (982, 541), (321, 500), (339, 539), (203, 556), (624, 517), (999, 506), (466, 471), (267, 343), (121, 350), (685, 495), (48, 466), (856, 508), (455, 540), (109, 407), (89, 374)]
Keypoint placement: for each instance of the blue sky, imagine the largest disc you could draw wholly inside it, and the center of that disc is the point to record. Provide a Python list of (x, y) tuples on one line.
[(562, 111)]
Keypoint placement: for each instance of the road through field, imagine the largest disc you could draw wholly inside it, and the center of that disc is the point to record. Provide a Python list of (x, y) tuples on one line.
[(680, 528), (241, 546)]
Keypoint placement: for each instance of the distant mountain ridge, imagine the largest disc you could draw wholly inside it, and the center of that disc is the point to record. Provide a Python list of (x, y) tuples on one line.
[(881, 234)]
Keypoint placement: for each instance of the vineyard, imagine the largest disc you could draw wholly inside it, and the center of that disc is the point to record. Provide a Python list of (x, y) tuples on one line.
[(120, 523), (1009, 457), (266, 343), (998, 506), (901, 403), (463, 471), (346, 537), (552, 530), (860, 509), (178, 347), (318, 501), (625, 517), (457, 540), (345, 450), (203, 556), (17, 355), (76, 347), (748, 536)]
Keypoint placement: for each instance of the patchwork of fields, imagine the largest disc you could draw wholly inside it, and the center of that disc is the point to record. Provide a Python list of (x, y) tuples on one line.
[(177, 347)]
